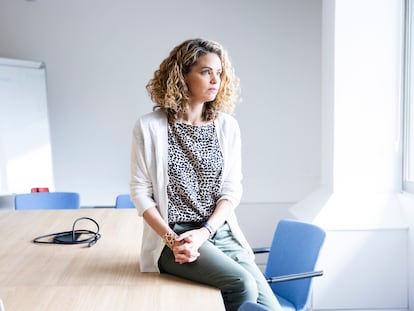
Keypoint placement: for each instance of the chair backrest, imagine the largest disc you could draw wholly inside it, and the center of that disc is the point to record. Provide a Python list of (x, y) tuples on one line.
[(47, 200), (295, 248), (124, 201), (252, 306)]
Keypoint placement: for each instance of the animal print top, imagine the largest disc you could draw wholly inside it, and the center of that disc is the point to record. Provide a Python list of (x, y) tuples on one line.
[(195, 170)]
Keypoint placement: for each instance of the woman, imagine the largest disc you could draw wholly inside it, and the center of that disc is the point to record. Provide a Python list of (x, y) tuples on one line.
[(186, 176)]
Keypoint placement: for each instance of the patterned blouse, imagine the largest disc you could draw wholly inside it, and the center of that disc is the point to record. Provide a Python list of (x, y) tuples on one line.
[(195, 169)]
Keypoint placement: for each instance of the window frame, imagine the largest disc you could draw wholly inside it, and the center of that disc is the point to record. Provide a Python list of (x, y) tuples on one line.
[(408, 103)]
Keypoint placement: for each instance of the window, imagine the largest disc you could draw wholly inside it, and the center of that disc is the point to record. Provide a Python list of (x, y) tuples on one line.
[(408, 109)]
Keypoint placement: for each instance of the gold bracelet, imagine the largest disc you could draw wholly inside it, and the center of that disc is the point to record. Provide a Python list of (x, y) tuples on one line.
[(169, 238)]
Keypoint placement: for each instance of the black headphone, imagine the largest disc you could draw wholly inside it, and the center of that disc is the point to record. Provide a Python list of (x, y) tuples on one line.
[(73, 236)]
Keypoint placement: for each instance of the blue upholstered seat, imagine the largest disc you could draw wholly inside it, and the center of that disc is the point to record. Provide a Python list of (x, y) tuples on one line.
[(124, 201), (47, 200), (291, 263)]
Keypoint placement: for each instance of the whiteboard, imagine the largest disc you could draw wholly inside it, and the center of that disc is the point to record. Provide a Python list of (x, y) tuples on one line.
[(25, 149)]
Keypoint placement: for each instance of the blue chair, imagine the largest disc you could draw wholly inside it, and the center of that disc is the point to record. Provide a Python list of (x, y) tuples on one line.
[(291, 262), (47, 200), (124, 201), (252, 306)]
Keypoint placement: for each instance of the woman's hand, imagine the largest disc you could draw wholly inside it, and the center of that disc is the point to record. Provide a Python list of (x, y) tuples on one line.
[(186, 245)]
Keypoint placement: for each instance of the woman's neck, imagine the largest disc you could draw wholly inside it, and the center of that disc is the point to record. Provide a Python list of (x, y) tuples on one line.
[(193, 116)]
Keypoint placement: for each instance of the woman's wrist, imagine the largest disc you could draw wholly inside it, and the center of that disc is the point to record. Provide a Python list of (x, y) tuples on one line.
[(210, 229)]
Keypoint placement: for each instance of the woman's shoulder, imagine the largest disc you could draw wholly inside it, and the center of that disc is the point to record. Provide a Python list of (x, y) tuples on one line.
[(226, 120), (150, 118), (155, 115), (150, 123)]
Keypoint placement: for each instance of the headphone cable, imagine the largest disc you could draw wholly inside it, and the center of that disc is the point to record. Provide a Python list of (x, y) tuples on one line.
[(73, 236)]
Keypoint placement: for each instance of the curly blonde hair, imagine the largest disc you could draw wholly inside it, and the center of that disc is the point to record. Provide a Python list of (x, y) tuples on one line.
[(169, 91)]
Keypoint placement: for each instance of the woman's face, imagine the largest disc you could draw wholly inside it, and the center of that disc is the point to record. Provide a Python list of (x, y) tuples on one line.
[(203, 80)]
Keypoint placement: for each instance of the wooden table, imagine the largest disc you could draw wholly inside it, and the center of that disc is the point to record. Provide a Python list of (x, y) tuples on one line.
[(76, 277)]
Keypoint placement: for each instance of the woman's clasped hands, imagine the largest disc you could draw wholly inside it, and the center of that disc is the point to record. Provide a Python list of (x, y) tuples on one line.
[(187, 244)]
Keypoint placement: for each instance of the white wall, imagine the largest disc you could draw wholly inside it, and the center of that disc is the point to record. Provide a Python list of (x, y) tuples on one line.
[(100, 54), (407, 202)]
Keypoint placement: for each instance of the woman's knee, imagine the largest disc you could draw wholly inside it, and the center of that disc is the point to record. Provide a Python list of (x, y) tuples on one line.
[(238, 290), (244, 286)]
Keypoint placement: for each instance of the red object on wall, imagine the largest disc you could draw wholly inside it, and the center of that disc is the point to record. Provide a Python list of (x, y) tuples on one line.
[(40, 190)]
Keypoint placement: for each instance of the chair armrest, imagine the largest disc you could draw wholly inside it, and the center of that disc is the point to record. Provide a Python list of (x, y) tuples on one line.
[(295, 276), (261, 250)]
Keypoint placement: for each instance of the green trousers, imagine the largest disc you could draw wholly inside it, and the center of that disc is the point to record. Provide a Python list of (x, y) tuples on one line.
[(223, 264)]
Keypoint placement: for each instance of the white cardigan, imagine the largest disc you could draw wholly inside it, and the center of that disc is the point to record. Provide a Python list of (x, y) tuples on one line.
[(149, 177)]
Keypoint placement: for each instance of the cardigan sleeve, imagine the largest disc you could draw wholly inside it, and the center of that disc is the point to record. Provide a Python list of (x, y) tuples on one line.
[(231, 145), (141, 188)]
